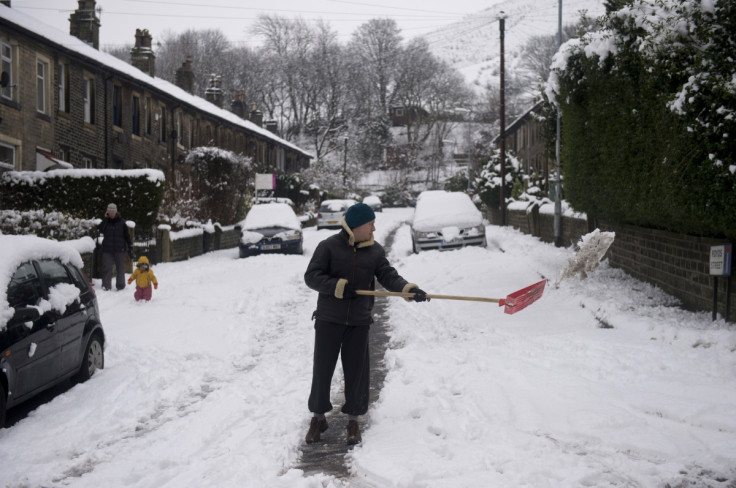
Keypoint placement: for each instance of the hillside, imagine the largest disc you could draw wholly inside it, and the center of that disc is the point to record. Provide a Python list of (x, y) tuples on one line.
[(472, 45)]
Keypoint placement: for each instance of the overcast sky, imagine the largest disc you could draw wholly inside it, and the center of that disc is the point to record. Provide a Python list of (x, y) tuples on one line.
[(120, 18)]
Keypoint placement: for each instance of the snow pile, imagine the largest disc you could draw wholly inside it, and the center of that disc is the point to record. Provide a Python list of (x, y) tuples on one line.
[(591, 249)]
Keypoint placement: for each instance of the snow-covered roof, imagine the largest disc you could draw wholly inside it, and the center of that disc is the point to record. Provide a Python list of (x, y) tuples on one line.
[(20, 249), (70, 43)]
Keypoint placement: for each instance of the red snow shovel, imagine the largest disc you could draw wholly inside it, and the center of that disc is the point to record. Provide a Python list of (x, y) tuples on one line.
[(514, 302)]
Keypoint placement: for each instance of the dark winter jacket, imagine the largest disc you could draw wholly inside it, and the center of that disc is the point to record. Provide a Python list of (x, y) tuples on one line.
[(338, 261), (114, 234)]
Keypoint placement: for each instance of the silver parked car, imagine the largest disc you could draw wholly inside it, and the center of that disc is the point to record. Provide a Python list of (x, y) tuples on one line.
[(446, 220), (331, 212)]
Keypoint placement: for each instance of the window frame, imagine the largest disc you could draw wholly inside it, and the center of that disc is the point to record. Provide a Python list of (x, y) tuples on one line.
[(6, 64), (43, 84), (135, 116), (88, 96), (4, 166), (63, 87), (117, 106)]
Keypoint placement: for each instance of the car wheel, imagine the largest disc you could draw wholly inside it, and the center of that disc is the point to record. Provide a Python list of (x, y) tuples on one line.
[(93, 359), (2, 406)]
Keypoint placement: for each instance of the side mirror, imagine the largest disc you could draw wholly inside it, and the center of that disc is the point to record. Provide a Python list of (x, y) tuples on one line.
[(26, 314)]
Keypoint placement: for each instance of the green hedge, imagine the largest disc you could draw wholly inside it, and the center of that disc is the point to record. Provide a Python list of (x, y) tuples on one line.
[(640, 145), (86, 193)]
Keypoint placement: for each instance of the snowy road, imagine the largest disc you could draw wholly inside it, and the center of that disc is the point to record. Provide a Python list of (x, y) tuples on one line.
[(600, 383)]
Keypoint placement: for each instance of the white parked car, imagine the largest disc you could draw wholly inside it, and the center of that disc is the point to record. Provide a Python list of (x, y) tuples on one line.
[(446, 220)]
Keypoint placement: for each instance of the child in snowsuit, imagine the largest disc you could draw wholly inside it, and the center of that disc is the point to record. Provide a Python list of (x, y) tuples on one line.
[(143, 277)]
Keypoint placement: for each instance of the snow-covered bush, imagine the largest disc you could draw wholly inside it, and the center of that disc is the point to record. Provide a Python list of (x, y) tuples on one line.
[(54, 225)]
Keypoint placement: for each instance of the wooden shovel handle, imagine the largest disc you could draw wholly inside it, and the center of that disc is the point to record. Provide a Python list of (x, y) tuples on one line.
[(433, 297)]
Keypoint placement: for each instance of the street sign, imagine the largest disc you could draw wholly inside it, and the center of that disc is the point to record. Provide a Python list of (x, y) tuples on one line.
[(720, 260)]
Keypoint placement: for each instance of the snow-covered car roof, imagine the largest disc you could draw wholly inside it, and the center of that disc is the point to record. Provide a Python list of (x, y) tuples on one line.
[(372, 199), (337, 205), (20, 249), (437, 209), (271, 215)]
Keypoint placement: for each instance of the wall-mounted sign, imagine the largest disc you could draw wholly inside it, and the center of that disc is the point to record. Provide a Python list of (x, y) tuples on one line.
[(720, 260)]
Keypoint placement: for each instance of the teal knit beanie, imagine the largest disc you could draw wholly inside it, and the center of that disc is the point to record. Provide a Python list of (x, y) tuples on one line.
[(359, 214)]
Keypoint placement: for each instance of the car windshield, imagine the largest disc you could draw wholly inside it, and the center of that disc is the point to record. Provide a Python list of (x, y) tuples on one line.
[(271, 215), (437, 209)]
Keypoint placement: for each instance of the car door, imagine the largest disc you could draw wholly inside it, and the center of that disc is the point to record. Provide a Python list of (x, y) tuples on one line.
[(69, 323), (32, 356)]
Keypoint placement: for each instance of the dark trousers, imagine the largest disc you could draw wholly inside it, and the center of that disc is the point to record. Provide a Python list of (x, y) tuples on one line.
[(351, 343), (108, 260)]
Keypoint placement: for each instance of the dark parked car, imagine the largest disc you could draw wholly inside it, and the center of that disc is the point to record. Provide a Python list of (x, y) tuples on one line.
[(270, 227), (50, 327)]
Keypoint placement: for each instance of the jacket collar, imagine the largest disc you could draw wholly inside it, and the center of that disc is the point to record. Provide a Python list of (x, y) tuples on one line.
[(351, 236)]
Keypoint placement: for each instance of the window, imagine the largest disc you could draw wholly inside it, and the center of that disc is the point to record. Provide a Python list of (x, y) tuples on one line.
[(178, 128), (89, 100), (87, 163), (136, 115), (149, 115), (162, 125), (117, 106), (7, 157), (7, 67), (42, 78), (25, 287), (63, 72)]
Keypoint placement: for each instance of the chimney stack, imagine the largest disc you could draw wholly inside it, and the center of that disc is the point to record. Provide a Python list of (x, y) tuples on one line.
[(237, 106), (272, 126), (184, 77), (213, 93), (84, 23), (256, 116), (141, 56)]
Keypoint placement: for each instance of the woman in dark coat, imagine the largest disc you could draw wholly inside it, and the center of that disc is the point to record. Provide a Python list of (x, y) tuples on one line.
[(115, 241), (348, 261)]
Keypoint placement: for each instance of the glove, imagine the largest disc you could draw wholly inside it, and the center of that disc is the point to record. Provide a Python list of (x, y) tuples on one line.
[(348, 293), (131, 254), (130, 281), (419, 295), (155, 286)]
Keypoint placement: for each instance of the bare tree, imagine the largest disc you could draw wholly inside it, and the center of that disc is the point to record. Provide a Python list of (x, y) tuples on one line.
[(376, 46)]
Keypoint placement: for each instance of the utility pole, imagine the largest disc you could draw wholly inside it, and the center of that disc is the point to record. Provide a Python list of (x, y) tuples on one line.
[(502, 197), (558, 183), (345, 167)]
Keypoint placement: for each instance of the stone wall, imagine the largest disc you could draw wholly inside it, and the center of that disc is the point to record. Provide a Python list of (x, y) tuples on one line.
[(678, 264)]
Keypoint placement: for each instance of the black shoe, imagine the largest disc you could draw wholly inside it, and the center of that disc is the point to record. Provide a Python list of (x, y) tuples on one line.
[(353, 433), (316, 426)]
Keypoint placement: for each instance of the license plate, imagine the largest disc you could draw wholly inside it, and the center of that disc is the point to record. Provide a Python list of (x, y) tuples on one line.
[(271, 247), (332, 221)]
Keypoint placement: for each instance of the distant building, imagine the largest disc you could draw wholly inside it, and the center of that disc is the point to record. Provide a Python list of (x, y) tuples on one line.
[(63, 103), (524, 137)]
